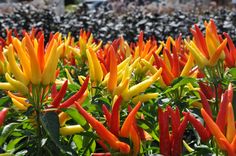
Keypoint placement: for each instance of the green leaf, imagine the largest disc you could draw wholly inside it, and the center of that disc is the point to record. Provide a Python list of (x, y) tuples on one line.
[(11, 145), (75, 115), (181, 81), (232, 71), (85, 144), (51, 125), (6, 154), (7, 130), (4, 100)]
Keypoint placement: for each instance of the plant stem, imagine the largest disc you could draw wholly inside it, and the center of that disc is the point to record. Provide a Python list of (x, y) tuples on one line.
[(36, 100)]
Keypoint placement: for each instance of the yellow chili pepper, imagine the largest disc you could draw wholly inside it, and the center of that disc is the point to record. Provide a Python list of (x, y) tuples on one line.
[(98, 73), (69, 130), (6, 86), (19, 99), (138, 88), (23, 56), (19, 75), (19, 105), (198, 56), (188, 66), (69, 76), (144, 97), (121, 87), (189, 149), (19, 86), (91, 66), (34, 63), (63, 117), (51, 63)]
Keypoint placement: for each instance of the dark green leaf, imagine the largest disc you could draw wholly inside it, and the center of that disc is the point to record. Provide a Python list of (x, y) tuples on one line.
[(51, 125)]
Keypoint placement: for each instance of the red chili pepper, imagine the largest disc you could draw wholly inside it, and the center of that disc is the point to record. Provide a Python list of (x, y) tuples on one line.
[(202, 41), (56, 101), (177, 139), (165, 145), (76, 96), (103, 133), (221, 117), (206, 90), (175, 119), (41, 52), (103, 145), (115, 117), (107, 115), (205, 103), (53, 91), (125, 129), (175, 69), (202, 131), (112, 81), (3, 114)]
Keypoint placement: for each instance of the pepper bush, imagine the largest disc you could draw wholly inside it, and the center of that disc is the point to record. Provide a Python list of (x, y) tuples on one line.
[(86, 97)]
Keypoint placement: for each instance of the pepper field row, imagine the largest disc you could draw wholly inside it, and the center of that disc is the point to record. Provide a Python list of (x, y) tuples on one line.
[(68, 97)]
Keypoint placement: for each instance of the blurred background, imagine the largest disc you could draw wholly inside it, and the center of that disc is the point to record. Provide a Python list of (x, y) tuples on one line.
[(109, 19)]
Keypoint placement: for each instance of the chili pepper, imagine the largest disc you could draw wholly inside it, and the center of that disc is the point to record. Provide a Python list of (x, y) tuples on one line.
[(24, 58), (198, 56), (145, 97), (19, 105), (125, 129), (56, 101), (214, 129), (72, 129), (221, 116), (22, 100), (230, 133), (51, 63), (178, 136), (63, 117), (205, 103), (112, 81), (115, 117), (98, 73), (54, 91), (202, 43), (107, 115), (227, 147), (19, 75), (76, 96), (103, 133), (6, 86), (41, 52), (34, 64), (187, 66), (230, 54), (175, 68), (3, 114), (213, 60), (202, 131), (69, 77), (140, 87), (19, 86), (135, 139), (165, 144)]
